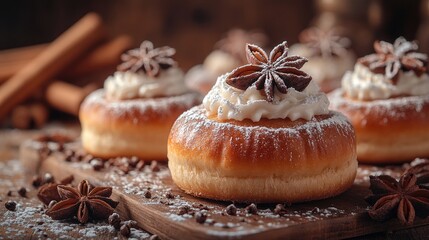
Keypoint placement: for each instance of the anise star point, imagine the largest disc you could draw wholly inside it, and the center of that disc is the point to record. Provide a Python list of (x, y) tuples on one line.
[(389, 59), (402, 198), (325, 42), (269, 72), (148, 59), (84, 203)]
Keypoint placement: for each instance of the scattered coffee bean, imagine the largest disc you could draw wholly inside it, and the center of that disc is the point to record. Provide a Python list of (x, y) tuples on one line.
[(315, 210), (169, 195), (125, 230), (154, 166), (9, 193), (200, 217), (48, 178), (231, 210), (10, 205), (133, 161), (37, 181), (97, 164), (22, 192), (280, 209), (140, 165), (183, 210), (115, 221), (147, 194), (130, 223), (252, 209)]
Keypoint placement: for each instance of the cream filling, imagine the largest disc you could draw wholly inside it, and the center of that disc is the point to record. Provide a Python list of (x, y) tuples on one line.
[(128, 85), (362, 84), (227, 102)]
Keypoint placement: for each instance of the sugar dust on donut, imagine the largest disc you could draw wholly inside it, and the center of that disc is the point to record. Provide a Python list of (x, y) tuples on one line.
[(264, 133)]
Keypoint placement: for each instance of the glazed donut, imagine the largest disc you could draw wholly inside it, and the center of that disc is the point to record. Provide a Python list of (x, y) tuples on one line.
[(275, 160), (387, 130), (135, 127)]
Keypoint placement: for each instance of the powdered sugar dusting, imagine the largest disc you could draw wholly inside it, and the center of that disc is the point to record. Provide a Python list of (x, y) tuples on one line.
[(197, 115), (161, 105), (393, 108)]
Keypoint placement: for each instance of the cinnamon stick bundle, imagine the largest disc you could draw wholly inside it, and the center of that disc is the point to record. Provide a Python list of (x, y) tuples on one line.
[(54, 59), (105, 55)]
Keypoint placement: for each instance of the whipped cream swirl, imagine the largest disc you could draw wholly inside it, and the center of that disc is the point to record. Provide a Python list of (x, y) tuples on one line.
[(226, 102), (128, 84), (362, 84)]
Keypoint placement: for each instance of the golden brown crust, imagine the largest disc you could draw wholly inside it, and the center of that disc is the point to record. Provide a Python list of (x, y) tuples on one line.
[(277, 148), (137, 127), (387, 131)]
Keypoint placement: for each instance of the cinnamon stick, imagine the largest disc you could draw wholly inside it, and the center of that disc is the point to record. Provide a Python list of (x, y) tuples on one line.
[(22, 54), (67, 97), (103, 56), (66, 48), (106, 55)]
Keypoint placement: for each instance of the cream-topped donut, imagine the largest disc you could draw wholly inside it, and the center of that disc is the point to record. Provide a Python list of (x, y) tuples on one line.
[(328, 53), (133, 114), (386, 98), (241, 146)]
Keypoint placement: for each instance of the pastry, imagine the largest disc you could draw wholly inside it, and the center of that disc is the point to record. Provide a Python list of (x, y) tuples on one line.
[(228, 55), (133, 114), (328, 54), (263, 134), (386, 97)]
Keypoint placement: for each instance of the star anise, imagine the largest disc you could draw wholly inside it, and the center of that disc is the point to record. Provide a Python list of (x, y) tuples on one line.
[(325, 42), (84, 202), (404, 198), (48, 191), (278, 70), (389, 59), (148, 59), (420, 168), (236, 38)]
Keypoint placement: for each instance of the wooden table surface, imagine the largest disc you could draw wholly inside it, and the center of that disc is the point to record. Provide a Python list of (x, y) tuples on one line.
[(29, 222)]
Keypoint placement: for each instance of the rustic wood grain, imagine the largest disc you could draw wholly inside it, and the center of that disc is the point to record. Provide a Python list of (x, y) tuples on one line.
[(345, 215)]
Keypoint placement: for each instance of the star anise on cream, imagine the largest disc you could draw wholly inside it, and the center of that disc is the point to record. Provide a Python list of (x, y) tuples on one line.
[(148, 59), (389, 59), (324, 42), (278, 70), (237, 38), (402, 198), (85, 203)]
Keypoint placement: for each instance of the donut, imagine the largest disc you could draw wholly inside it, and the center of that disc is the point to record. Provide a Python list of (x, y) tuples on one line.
[(133, 113), (251, 142), (388, 106), (276, 160), (390, 130), (135, 127), (328, 54)]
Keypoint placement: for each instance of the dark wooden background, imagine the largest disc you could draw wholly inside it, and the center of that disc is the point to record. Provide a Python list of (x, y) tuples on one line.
[(193, 26)]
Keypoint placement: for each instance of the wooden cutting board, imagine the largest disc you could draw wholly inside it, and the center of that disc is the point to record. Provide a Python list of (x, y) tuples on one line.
[(343, 216)]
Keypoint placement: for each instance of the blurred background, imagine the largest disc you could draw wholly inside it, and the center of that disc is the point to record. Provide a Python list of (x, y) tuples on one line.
[(192, 27)]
